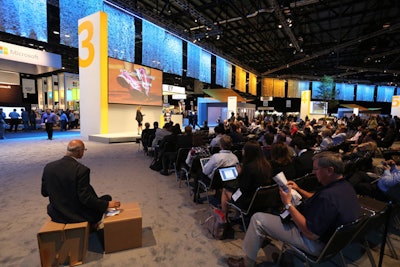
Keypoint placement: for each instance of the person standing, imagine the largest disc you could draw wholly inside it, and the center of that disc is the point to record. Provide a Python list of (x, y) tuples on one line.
[(32, 119), (63, 121), (66, 182), (14, 115), (139, 119), (49, 119), (25, 119), (2, 123)]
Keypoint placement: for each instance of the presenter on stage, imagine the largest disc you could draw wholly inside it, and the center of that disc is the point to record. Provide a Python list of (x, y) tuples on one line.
[(139, 118)]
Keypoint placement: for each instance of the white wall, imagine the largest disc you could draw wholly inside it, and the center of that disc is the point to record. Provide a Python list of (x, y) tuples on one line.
[(122, 118)]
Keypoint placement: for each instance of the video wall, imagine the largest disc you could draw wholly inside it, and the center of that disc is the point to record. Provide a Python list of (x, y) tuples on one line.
[(26, 18), (133, 84)]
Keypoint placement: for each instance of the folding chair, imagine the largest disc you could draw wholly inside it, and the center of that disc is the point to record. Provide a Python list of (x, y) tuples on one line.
[(340, 239), (265, 199), (180, 162), (375, 219)]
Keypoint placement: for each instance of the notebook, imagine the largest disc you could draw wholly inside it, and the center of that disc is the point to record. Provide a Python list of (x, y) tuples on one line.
[(228, 173), (203, 161)]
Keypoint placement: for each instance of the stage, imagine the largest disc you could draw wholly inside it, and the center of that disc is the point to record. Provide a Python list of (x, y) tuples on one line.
[(115, 137)]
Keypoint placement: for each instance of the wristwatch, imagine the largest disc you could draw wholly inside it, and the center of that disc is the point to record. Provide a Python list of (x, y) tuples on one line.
[(287, 206)]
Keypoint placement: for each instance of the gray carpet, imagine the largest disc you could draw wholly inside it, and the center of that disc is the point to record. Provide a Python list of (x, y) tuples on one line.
[(172, 230)]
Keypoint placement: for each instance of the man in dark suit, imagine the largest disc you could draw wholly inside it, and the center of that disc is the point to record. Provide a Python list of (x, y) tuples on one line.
[(67, 184), (303, 161)]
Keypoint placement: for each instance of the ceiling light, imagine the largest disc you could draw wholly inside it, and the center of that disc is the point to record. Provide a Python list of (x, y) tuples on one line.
[(67, 35), (279, 26), (56, 32), (218, 36), (386, 25)]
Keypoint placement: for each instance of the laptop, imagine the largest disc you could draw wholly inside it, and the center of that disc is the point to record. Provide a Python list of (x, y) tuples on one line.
[(203, 161), (228, 173)]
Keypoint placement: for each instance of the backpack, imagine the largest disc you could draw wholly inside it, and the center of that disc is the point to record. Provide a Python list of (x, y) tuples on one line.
[(156, 164), (215, 223)]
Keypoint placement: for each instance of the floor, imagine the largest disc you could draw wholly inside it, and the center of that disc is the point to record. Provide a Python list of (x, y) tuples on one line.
[(173, 231)]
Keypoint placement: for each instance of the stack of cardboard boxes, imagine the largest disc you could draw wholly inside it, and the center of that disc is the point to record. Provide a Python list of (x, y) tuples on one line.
[(67, 243)]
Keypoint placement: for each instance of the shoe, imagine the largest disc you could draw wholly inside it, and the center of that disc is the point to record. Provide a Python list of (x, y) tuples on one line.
[(164, 173), (232, 262)]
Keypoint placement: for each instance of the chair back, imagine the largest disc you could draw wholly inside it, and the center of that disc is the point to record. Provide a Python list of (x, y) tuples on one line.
[(181, 158), (308, 182), (342, 237), (265, 199)]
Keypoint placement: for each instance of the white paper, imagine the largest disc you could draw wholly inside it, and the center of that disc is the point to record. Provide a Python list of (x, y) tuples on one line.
[(281, 180), (237, 194)]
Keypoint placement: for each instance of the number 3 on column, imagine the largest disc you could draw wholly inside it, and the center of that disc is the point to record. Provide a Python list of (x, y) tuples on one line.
[(86, 43)]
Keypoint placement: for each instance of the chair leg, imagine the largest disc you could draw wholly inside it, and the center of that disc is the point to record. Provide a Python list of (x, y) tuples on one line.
[(391, 248), (243, 222), (342, 260), (368, 251)]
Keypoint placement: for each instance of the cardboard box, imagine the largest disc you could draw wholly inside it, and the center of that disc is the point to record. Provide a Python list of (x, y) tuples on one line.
[(76, 242), (50, 240), (123, 231), (63, 243)]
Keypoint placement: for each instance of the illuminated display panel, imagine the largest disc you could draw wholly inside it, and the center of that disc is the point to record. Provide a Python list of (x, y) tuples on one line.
[(26, 18), (133, 84)]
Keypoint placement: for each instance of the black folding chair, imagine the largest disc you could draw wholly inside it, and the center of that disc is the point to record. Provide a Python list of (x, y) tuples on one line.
[(265, 199), (340, 239)]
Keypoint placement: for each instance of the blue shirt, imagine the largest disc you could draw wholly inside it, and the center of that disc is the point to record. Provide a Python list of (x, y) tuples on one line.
[(389, 178), (330, 207), (14, 115), (49, 118)]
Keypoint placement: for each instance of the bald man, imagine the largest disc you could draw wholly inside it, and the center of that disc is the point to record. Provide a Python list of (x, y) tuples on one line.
[(67, 184)]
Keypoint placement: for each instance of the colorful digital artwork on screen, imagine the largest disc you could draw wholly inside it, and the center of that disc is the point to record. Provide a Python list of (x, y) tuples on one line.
[(133, 84)]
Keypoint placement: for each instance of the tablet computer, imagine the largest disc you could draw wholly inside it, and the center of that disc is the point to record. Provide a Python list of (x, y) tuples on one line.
[(203, 161), (228, 173)]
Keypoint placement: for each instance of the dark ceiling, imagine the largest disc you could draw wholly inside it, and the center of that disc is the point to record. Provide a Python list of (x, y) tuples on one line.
[(351, 40)]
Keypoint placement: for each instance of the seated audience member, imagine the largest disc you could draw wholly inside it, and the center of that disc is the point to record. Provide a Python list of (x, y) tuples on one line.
[(223, 158), (235, 134), (357, 137), (303, 160), (205, 127), (339, 136), (145, 136), (268, 140), (198, 151), (310, 137), (334, 204), (161, 133), (255, 171), (376, 187), (388, 138), (326, 140), (281, 161), (219, 131), (168, 149), (67, 184), (185, 140)]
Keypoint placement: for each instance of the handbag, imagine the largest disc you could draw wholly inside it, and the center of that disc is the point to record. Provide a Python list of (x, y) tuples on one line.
[(215, 223)]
